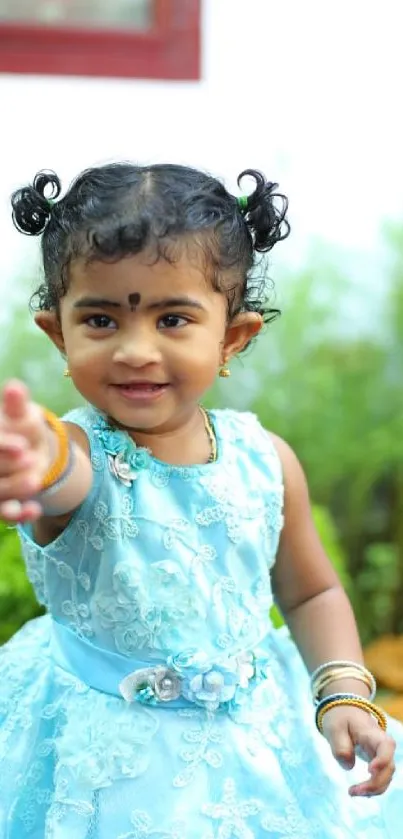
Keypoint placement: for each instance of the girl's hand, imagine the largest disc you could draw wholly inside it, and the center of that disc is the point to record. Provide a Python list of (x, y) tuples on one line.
[(350, 729), (25, 454)]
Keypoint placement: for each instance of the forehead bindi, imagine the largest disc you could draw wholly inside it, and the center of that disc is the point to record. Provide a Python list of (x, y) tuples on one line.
[(134, 300)]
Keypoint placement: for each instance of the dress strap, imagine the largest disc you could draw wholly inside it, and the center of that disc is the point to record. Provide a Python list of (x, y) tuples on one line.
[(242, 432), (88, 418)]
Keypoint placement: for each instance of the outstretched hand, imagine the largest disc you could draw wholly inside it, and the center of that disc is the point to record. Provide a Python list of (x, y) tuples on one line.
[(24, 454), (352, 731)]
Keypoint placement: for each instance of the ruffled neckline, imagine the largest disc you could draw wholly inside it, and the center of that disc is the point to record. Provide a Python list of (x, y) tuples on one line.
[(127, 459)]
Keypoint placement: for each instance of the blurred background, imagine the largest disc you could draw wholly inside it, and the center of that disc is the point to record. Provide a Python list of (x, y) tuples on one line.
[(309, 92)]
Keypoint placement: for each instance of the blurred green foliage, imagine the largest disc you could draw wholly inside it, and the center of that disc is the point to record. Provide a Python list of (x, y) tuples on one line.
[(27, 354), (17, 600), (334, 392), (331, 390)]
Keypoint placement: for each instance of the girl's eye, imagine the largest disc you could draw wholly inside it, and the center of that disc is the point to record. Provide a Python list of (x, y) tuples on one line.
[(100, 322), (172, 321)]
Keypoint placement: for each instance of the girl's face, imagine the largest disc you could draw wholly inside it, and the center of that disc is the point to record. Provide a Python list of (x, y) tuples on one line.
[(145, 340)]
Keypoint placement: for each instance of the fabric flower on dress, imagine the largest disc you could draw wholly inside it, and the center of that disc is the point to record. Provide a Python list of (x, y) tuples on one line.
[(211, 689), (151, 685), (121, 470), (137, 458), (210, 685), (125, 459), (111, 441), (246, 668), (189, 659)]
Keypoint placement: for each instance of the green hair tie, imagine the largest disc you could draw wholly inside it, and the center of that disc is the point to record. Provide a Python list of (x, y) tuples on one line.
[(243, 201)]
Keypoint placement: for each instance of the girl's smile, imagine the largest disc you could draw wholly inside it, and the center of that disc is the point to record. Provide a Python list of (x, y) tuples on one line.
[(141, 390)]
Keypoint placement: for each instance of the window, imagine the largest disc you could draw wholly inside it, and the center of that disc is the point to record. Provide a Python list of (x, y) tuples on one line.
[(154, 39)]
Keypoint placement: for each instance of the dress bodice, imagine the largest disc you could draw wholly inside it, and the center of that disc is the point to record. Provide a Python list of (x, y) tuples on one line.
[(163, 559)]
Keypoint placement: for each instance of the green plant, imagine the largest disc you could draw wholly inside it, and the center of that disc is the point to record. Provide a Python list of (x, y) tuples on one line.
[(27, 354), (335, 395), (17, 599)]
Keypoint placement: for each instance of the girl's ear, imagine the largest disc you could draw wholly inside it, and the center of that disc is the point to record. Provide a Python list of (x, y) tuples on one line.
[(240, 331), (50, 324)]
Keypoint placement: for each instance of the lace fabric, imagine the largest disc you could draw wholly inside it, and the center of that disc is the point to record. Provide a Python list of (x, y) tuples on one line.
[(160, 561)]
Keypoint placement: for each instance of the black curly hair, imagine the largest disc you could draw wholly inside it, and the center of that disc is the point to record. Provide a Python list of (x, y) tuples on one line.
[(121, 209)]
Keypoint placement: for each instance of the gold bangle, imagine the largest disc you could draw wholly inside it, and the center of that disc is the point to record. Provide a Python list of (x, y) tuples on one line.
[(333, 675), (61, 461), (338, 674), (340, 670), (364, 704)]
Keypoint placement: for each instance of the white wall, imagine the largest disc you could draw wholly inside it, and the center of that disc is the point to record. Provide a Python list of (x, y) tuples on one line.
[(307, 90)]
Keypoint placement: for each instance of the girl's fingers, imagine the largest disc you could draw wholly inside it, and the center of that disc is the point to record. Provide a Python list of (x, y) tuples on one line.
[(31, 511), (341, 745), (13, 462), (20, 419), (350, 730), (17, 512), (15, 400), (376, 785), (384, 754), (19, 480), (12, 444), (21, 486), (11, 510), (381, 767)]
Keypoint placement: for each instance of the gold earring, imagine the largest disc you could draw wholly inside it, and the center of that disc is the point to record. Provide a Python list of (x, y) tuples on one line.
[(67, 373), (224, 372)]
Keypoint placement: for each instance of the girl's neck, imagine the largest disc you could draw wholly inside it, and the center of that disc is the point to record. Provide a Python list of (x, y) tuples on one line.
[(185, 444)]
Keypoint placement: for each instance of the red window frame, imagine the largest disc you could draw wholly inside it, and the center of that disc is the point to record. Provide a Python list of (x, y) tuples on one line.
[(169, 50)]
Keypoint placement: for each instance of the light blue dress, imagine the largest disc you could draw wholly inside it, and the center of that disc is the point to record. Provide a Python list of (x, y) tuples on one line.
[(155, 700)]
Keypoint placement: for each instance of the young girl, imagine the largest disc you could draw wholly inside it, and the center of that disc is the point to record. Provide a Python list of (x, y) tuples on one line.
[(155, 699)]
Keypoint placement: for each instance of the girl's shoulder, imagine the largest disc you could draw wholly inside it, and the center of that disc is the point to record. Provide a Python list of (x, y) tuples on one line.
[(241, 425), (85, 416), (244, 431), (92, 423)]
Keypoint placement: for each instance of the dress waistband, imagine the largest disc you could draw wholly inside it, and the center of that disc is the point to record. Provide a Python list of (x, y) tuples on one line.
[(177, 681)]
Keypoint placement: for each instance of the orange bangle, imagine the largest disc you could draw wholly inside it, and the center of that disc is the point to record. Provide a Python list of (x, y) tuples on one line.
[(356, 703), (61, 462)]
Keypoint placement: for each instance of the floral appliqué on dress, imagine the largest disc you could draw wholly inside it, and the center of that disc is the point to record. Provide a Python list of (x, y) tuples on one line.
[(125, 458)]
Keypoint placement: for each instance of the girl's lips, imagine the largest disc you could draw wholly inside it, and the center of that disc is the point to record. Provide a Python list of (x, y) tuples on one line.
[(143, 391)]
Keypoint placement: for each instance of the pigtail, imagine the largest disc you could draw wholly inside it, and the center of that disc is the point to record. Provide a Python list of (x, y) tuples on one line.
[(264, 211), (32, 208)]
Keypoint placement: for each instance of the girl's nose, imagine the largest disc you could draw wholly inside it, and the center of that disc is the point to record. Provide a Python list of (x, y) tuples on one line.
[(137, 350)]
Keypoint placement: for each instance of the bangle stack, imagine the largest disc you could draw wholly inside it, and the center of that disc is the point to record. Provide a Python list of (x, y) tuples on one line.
[(334, 671)]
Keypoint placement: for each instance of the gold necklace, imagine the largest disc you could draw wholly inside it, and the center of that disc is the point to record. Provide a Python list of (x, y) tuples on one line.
[(210, 434)]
